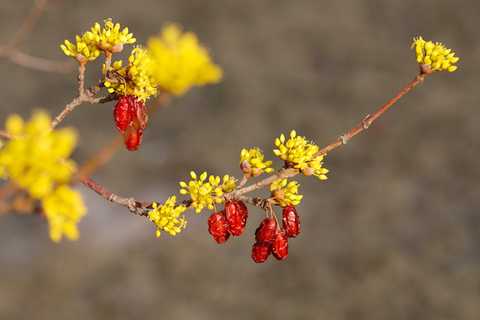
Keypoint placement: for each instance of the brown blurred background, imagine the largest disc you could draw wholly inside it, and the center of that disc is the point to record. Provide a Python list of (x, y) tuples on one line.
[(393, 234)]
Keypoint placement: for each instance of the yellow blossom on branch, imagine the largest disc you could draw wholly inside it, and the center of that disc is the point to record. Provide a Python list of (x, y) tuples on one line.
[(82, 50), (252, 162), (168, 217), (111, 37), (286, 193), (435, 55), (63, 209), (301, 154), (205, 191), (134, 79), (181, 62), (37, 158)]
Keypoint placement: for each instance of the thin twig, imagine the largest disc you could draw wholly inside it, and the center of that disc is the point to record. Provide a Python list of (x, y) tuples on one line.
[(100, 159), (28, 23), (136, 207), (141, 208), (5, 135)]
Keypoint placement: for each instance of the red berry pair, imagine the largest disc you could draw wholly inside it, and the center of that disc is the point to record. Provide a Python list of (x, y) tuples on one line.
[(230, 221), (271, 239), (131, 119)]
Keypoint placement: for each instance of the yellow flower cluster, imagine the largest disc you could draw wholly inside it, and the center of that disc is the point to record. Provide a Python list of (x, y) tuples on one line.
[(168, 217), (286, 193), (205, 193), (136, 78), (181, 62), (37, 160), (63, 208), (298, 153), (435, 55), (87, 47), (110, 37), (252, 162)]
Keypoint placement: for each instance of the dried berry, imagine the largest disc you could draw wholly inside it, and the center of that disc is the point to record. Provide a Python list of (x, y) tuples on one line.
[(291, 221), (266, 231), (280, 245), (218, 227), (131, 119), (261, 251), (236, 214)]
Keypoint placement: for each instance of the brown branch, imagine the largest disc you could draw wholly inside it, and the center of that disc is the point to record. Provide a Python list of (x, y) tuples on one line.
[(84, 96), (5, 135), (100, 159), (141, 208), (41, 64), (28, 23), (342, 140), (136, 207)]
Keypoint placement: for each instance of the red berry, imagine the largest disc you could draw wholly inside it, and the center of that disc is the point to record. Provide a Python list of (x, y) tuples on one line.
[(291, 221), (236, 213), (133, 138), (261, 251), (218, 227), (280, 246), (266, 231), (131, 119)]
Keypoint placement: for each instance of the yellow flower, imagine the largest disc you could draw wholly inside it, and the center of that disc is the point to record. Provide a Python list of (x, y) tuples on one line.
[(286, 193), (82, 50), (136, 78), (252, 162), (63, 208), (298, 153), (168, 217), (181, 62), (110, 37), (435, 55), (87, 47), (37, 158), (205, 191)]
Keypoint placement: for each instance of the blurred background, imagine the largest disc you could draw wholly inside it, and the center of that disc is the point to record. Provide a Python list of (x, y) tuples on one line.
[(393, 234)]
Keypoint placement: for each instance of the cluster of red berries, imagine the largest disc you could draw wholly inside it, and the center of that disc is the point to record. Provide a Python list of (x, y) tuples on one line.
[(269, 237), (131, 119)]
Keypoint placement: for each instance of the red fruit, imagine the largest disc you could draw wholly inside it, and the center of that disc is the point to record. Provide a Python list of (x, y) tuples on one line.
[(218, 227), (266, 231), (291, 221), (261, 251), (131, 119), (236, 214), (280, 246), (133, 138)]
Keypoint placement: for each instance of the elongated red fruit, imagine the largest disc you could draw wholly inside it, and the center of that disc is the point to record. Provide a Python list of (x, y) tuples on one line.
[(291, 221), (131, 119), (218, 227), (261, 251), (280, 246), (266, 231), (236, 214)]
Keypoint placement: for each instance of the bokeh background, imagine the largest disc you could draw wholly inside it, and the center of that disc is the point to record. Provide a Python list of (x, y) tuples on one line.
[(393, 234)]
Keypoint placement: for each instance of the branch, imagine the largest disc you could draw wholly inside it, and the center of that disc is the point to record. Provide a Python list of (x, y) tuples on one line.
[(141, 208), (29, 22), (136, 207), (84, 96)]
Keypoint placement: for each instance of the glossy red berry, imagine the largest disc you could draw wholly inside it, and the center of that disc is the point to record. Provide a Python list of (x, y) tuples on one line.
[(261, 251), (266, 231), (280, 245), (131, 119), (291, 221), (236, 214), (218, 227)]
